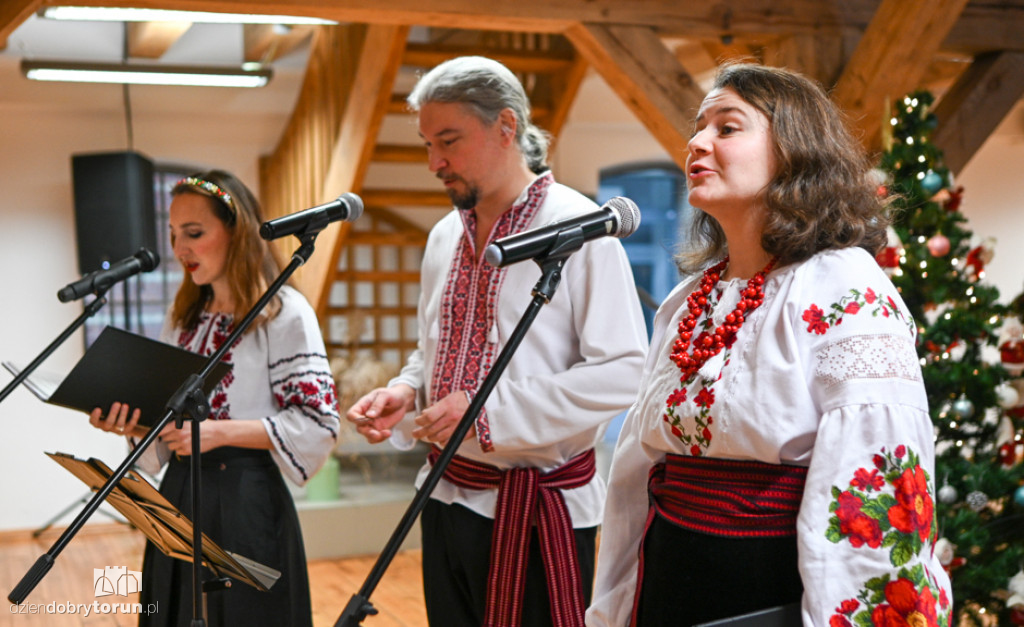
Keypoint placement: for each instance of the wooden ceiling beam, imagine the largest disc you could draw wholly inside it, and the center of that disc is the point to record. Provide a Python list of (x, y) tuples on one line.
[(265, 43), (821, 57), (891, 59), (12, 14), (563, 89), (540, 61), (981, 26), (646, 76), (975, 105), (552, 16), (150, 40)]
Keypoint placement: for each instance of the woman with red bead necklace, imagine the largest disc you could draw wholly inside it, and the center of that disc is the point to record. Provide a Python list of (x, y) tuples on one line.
[(780, 451)]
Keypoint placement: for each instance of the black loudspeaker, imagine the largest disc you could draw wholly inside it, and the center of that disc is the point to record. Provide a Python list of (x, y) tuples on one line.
[(114, 213)]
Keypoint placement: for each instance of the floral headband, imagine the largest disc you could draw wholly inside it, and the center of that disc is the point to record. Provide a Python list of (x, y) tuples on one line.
[(212, 188)]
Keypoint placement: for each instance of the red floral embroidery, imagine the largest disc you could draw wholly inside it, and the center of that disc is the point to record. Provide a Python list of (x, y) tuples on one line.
[(915, 509), (701, 435), (899, 519), (705, 398), (813, 318), (905, 606), (906, 601), (868, 480), (904, 515), (818, 321), (858, 527)]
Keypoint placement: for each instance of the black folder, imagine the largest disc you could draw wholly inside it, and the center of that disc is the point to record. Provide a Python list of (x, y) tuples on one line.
[(163, 524), (127, 368), (781, 616)]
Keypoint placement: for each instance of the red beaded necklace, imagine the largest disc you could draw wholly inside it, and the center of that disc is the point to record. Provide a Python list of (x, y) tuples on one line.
[(707, 345)]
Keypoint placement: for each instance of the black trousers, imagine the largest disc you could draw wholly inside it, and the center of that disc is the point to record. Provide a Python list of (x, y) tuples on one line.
[(247, 510), (691, 578), (456, 557)]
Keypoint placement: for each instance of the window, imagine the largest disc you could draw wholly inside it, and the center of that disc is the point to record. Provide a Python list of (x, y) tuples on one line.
[(659, 189)]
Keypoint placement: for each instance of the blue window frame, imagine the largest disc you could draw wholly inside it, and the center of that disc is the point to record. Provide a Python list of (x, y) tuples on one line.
[(659, 189)]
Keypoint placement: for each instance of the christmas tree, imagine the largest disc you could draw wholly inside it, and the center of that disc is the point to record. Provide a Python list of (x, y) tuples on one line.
[(972, 392)]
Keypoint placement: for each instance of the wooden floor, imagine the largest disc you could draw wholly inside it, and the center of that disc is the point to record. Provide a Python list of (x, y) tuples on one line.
[(398, 597)]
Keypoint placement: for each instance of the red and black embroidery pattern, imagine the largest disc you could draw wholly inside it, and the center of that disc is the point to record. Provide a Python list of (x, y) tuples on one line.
[(214, 335), (889, 506), (469, 306)]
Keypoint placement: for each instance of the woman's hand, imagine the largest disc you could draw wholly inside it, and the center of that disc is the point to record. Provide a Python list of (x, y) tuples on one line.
[(118, 420), (179, 441)]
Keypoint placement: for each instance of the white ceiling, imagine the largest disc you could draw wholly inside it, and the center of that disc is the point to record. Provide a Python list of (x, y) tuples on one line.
[(266, 108)]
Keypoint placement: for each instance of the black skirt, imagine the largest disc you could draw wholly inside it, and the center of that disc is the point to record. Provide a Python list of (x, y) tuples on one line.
[(247, 510), (691, 578)]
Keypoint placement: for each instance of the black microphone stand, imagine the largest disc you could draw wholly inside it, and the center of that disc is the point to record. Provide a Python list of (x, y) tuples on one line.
[(566, 243), (187, 403), (90, 310)]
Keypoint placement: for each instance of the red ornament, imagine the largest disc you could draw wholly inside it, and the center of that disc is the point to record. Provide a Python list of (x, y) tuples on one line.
[(1008, 454), (1017, 615), (888, 257), (1012, 352), (938, 245), (707, 345), (955, 196)]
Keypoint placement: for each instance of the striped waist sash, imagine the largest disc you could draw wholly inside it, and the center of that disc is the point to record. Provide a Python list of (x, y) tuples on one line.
[(526, 495), (726, 497)]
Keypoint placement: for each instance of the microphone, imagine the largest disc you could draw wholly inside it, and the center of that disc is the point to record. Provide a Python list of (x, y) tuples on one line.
[(346, 207), (101, 280), (619, 217)]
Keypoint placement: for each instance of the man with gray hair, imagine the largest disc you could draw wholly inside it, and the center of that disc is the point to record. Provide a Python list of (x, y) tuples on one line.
[(509, 532)]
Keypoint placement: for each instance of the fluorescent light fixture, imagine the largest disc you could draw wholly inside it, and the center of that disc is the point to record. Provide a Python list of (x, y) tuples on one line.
[(138, 74), (115, 14)]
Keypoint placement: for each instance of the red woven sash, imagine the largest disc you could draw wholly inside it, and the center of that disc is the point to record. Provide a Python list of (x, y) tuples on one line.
[(725, 497), (525, 496)]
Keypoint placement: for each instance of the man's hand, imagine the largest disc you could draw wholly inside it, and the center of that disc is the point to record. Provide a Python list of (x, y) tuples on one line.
[(376, 413), (437, 423)]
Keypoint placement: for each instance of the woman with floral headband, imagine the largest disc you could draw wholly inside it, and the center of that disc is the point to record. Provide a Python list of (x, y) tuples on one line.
[(780, 451), (275, 413)]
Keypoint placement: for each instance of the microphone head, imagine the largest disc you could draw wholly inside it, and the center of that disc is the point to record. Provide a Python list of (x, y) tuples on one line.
[(354, 204), (148, 259), (628, 215)]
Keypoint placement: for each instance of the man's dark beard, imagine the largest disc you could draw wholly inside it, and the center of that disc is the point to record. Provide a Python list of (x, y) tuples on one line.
[(466, 200)]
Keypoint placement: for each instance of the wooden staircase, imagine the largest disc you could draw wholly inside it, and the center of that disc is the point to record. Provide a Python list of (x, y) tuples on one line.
[(366, 292)]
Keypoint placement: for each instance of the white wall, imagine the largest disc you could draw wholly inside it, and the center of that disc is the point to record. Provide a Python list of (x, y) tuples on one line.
[(42, 125)]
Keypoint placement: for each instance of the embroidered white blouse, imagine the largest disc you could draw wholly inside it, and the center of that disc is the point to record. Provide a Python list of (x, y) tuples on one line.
[(279, 375), (824, 375), (578, 364)]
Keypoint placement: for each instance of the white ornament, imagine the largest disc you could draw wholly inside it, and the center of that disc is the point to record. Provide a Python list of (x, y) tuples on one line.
[(1016, 584), (945, 551), (948, 494), (1007, 395)]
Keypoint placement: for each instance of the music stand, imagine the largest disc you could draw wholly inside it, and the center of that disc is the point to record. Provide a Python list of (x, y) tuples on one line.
[(161, 522), (187, 403)]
